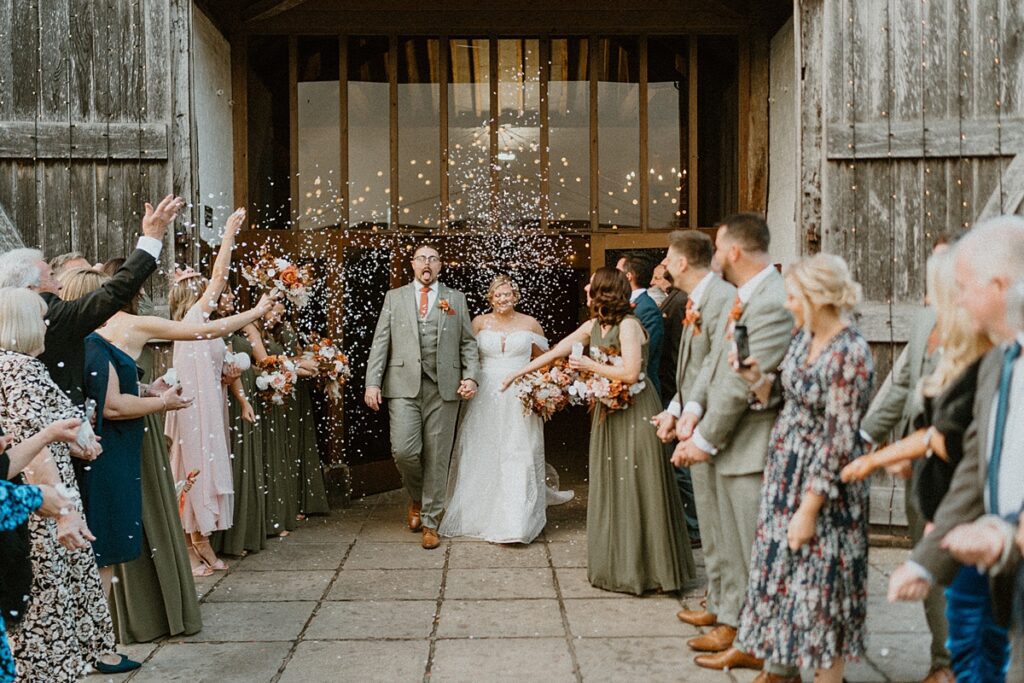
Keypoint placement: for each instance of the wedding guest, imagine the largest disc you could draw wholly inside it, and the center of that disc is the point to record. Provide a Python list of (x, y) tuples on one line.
[(68, 261), (125, 520), (498, 466), (660, 286), (636, 536), (993, 460), (67, 626), (688, 259), (730, 433), (198, 433), (17, 502), (637, 270), (812, 532), (249, 531)]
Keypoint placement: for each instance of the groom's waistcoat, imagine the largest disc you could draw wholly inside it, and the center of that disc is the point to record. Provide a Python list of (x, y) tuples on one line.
[(428, 343)]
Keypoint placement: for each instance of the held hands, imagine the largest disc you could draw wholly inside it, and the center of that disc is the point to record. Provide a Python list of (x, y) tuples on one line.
[(155, 222), (977, 544), (467, 389), (858, 470), (801, 529), (907, 585), (688, 453), (666, 424), (685, 426), (372, 398), (173, 399)]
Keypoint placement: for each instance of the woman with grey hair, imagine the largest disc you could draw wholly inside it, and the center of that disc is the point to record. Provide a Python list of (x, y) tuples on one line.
[(67, 627)]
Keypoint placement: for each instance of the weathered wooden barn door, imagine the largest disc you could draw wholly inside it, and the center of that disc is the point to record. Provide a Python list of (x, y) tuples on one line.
[(919, 107), (94, 119)]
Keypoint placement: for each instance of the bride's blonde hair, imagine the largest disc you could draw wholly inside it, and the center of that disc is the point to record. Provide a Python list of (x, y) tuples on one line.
[(501, 281)]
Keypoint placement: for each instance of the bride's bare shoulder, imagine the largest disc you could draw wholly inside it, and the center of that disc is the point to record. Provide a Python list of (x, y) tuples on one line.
[(480, 322)]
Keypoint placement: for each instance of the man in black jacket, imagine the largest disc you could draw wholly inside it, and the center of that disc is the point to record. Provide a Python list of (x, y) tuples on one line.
[(70, 322)]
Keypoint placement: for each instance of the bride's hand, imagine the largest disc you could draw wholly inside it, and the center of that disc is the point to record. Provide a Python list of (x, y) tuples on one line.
[(508, 381)]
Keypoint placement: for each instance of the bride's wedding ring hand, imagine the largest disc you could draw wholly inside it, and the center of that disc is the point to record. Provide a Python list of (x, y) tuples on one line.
[(507, 382), (467, 389)]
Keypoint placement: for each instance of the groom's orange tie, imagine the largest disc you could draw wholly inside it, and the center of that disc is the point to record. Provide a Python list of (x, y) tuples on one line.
[(423, 301)]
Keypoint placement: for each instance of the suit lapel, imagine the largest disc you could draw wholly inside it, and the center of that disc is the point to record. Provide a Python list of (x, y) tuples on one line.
[(442, 295), (988, 387)]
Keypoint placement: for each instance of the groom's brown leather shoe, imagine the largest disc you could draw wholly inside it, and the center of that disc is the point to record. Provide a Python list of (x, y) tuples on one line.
[(697, 617), (716, 640), (413, 517), (430, 538), (730, 659)]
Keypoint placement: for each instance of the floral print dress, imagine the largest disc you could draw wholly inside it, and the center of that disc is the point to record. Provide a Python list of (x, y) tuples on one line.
[(807, 608), (67, 625)]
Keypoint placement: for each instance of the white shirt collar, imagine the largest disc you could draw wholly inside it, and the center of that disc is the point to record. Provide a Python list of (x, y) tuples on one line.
[(747, 290), (418, 287), (697, 295), (635, 294)]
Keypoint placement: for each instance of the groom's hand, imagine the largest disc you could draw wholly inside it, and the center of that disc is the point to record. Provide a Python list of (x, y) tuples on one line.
[(372, 398), (666, 424), (467, 389)]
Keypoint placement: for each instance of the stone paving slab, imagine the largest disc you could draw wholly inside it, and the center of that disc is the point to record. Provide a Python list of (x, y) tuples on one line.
[(488, 555), (571, 554), (573, 583), (486, 584), (623, 659), (387, 584), (296, 556), (373, 619), (503, 659), (500, 618), (251, 621), (214, 663), (654, 616), (272, 586), (347, 660), (394, 556)]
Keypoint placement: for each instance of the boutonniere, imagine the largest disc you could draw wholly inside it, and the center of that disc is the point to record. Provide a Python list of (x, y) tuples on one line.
[(692, 319), (737, 310), (446, 307)]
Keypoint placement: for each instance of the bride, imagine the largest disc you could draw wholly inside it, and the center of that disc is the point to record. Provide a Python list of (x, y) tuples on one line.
[(498, 492)]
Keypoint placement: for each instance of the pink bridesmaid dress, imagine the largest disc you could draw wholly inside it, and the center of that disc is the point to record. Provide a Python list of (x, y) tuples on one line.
[(199, 433)]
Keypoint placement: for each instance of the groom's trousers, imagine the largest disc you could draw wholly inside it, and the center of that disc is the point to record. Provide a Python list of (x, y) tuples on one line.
[(422, 434)]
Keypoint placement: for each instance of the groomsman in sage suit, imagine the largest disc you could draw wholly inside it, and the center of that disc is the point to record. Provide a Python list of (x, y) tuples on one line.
[(423, 359), (722, 428), (689, 262)]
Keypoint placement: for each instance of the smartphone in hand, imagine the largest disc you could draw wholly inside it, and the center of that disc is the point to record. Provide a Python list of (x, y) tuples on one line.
[(742, 341)]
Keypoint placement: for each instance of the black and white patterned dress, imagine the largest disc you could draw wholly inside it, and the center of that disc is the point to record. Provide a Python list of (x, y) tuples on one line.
[(807, 608), (67, 625)]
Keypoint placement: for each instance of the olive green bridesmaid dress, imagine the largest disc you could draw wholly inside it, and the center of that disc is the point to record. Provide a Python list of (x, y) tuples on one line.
[(249, 532), (636, 534), (312, 495), (280, 466), (154, 595)]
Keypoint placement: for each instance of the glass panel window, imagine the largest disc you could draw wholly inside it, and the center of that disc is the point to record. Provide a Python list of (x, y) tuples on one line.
[(569, 133), (469, 114), (717, 128), (419, 135), (667, 145), (369, 131), (518, 132), (319, 144), (618, 144), (270, 202)]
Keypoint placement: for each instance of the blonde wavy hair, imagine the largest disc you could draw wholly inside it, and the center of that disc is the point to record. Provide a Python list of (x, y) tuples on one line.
[(501, 281), (78, 282), (823, 280), (184, 295), (961, 343)]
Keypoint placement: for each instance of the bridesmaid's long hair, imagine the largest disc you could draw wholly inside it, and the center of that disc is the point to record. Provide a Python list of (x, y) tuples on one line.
[(609, 296)]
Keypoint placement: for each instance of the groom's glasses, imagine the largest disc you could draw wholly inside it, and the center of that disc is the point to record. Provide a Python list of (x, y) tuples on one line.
[(426, 259)]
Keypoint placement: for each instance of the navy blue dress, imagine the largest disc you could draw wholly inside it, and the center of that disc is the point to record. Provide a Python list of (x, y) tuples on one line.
[(112, 491)]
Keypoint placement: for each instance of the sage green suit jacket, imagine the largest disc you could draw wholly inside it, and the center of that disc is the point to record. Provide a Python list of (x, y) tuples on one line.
[(740, 434), (694, 349), (394, 362)]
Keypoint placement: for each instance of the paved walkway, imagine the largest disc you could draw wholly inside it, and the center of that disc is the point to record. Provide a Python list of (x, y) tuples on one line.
[(352, 597)]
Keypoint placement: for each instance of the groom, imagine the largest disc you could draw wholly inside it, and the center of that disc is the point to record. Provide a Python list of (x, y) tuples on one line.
[(424, 356)]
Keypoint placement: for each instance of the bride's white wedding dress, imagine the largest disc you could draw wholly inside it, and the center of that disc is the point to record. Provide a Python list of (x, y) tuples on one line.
[(497, 490)]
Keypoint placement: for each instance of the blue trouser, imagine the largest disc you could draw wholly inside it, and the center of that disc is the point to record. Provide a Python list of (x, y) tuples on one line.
[(979, 647)]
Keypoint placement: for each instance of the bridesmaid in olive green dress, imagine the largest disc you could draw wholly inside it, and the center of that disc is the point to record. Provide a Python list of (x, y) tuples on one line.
[(279, 468), (154, 595), (636, 534), (312, 495)]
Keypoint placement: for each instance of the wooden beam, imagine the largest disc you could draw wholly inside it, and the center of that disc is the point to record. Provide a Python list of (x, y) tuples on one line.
[(645, 177), (754, 155), (293, 128), (183, 152), (691, 125), (240, 122), (267, 9), (594, 52), (944, 138), (343, 183), (394, 189), (87, 140), (810, 46)]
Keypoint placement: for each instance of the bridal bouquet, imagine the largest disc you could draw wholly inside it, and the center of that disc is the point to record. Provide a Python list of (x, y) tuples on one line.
[(276, 381), (608, 393), (333, 368), (281, 274), (552, 388)]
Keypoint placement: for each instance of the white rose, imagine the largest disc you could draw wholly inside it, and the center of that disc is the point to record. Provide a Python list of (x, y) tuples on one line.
[(328, 352), (262, 382), (278, 382), (281, 263)]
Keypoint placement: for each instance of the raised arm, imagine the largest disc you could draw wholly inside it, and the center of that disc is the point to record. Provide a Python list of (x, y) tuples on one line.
[(222, 265), (179, 330)]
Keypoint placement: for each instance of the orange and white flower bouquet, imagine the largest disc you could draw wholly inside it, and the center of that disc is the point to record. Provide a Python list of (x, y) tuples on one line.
[(277, 378), (607, 393), (273, 272), (333, 367), (550, 389)]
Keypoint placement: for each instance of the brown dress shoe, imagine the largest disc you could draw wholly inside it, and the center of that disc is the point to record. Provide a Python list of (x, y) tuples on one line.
[(430, 538), (697, 617), (413, 518), (730, 659), (717, 639), (940, 674), (765, 677)]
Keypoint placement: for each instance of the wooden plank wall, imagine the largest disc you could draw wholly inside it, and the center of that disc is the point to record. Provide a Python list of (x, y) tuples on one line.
[(86, 132), (924, 117)]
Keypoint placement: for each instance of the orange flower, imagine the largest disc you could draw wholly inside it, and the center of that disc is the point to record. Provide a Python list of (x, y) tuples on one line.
[(692, 319), (737, 310), (290, 276), (446, 307)]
